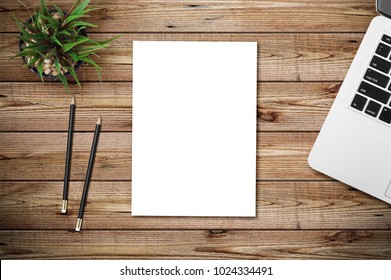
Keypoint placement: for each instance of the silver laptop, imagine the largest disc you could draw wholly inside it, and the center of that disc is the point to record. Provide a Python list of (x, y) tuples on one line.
[(354, 144)]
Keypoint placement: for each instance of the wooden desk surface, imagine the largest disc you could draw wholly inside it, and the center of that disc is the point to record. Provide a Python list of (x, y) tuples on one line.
[(305, 49)]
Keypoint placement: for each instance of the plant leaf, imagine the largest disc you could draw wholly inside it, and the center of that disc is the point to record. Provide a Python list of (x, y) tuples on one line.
[(73, 55), (69, 46), (25, 39), (64, 32), (88, 55), (44, 8), (109, 40), (64, 81), (41, 27), (80, 8), (25, 52), (59, 10), (71, 9), (90, 49), (83, 14), (73, 73), (37, 47), (33, 60), (56, 40), (80, 29), (70, 18), (28, 36), (40, 70), (50, 54), (59, 75), (57, 64), (52, 22), (93, 63), (81, 23), (24, 25), (89, 40)]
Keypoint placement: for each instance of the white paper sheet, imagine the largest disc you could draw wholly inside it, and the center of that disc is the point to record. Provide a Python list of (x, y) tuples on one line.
[(194, 128)]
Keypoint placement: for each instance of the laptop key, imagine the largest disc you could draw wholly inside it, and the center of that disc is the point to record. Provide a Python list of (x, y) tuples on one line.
[(386, 39), (385, 115), (373, 108), (376, 78), (383, 50), (374, 92), (380, 64), (359, 102)]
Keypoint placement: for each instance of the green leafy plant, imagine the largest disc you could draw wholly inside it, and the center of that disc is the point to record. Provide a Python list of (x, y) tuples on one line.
[(54, 42)]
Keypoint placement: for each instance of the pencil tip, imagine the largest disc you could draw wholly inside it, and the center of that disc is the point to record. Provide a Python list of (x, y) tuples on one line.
[(99, 120), (78, 224), (73, 100), (64, 206)]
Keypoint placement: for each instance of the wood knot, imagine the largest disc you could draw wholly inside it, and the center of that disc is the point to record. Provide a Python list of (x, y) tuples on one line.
[(5, 157), (268, 116), (334, 88), (345, 236), (194, 6), (216, 232), (211, 18)]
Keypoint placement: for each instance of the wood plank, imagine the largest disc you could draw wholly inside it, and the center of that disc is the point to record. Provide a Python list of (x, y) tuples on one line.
[(291, 57), (200, 244), (30, 156), (29, 106), (280, 205), (216, 16), (41, 156)]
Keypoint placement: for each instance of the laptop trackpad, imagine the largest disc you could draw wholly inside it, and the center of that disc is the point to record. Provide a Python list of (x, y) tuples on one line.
[(388, 191)]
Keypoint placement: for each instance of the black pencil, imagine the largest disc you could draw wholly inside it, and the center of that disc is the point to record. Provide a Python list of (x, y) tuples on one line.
[(68, 156), (88, 176)]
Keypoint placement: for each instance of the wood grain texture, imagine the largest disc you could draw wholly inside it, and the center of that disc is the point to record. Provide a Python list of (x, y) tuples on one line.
[(216, 16), (280, 206), (41, 156), (29, 106), (34, 156), (281, 57), (199, 244), (305, 48)]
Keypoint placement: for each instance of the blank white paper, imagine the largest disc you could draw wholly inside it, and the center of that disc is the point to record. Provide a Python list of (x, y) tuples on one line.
[(194, 128)]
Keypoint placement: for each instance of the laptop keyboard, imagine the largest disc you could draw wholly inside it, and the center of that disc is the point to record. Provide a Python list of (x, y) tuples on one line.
[(374, 92)]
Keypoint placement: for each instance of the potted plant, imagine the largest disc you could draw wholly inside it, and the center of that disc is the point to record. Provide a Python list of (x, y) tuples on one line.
[(54, 42)]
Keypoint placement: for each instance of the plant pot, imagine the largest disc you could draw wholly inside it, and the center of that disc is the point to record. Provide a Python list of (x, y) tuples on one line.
[(34, 69), (49, 77)]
